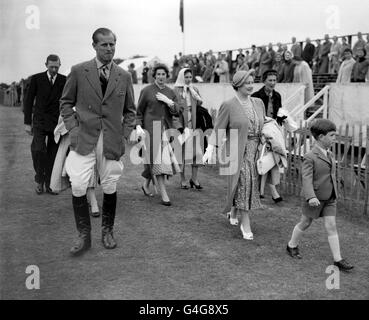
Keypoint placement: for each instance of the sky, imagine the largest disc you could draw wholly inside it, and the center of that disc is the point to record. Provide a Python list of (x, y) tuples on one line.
[(32, 29)]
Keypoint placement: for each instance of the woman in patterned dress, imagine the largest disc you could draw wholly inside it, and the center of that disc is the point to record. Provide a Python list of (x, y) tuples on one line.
[(241, 119), (155, 110)]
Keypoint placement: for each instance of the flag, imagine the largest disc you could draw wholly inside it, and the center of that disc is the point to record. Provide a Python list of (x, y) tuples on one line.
[(181, 17)]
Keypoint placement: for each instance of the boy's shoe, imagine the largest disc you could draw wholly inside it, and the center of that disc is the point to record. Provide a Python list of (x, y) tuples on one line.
[(294, 252), (276, 200), (343, 265)]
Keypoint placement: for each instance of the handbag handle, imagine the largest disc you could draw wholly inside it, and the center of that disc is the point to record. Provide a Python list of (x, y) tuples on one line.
[(262, 151)]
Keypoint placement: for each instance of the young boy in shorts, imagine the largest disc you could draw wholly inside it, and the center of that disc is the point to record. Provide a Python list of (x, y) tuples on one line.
[(319, 190)]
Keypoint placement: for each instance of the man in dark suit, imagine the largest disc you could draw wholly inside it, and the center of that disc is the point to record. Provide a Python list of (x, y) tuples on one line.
[(308, 52), (98, 110), (41, 112)]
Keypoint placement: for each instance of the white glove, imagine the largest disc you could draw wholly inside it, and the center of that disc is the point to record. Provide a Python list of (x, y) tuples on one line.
[(282, 112), (195, 94), (208, 154), (165, 99), (28, 129), (140, 132), (183, 137)]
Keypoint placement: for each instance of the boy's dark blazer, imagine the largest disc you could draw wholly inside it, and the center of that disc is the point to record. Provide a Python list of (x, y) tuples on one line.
[(319, 175)]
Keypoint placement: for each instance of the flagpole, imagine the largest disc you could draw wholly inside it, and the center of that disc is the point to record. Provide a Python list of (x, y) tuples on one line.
[(183, 42), (181, 22)]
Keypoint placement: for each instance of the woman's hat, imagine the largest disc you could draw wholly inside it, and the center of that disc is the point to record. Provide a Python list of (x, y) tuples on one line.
[(289, 52), (240, 77)]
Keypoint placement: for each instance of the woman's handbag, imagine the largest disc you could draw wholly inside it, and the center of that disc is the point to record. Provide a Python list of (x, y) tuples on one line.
[(204, 121), (265, 162)]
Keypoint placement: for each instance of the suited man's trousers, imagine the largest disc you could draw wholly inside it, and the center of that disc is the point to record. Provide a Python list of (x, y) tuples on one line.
[(79, 169), (43, 150)]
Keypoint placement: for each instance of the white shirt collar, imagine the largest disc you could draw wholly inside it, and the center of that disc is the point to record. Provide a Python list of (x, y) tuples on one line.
[(325, 151), (100, 64), (49, 76)]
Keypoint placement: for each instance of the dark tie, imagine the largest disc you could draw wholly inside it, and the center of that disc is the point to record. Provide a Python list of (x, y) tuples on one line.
[(329, 156), (103, 79), (51, 80)]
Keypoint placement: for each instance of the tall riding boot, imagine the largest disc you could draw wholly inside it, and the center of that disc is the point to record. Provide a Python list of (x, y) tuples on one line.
[(82, 217), (107, 222)]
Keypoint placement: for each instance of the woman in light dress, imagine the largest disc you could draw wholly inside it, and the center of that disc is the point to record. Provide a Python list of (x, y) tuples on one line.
[(241, 121)]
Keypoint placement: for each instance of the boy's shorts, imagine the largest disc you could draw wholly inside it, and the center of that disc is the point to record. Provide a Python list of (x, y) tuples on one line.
[(325, 209)]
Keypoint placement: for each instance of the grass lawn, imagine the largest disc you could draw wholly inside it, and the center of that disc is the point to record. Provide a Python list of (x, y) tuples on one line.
[(186, 251)]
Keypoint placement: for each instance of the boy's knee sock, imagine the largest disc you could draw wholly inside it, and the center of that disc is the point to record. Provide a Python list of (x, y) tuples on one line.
[(296, 235), (334, 244)]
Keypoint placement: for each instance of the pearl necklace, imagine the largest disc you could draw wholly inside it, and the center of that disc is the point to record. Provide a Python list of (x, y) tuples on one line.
[(244, 102)]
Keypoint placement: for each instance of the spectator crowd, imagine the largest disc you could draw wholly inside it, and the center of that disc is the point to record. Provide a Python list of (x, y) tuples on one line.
[(330, 56), (333, 55)]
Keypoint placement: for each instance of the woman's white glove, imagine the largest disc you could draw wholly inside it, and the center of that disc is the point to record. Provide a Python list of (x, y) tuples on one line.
[(208, 154), (184, 136), (139, 131), (194, 94), (165, 99)]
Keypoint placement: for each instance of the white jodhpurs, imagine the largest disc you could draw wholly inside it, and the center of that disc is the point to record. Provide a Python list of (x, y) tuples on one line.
[(79, 169)]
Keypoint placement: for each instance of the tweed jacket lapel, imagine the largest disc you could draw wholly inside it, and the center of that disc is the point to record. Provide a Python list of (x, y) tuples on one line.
[(92, 76), (113, 80)]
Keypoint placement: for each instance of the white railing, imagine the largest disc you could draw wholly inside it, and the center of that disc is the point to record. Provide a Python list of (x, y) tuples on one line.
[(299, 110), (293, 97)]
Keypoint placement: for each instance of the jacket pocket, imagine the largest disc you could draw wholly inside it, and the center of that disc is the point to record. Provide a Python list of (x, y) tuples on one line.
[(73, 134)]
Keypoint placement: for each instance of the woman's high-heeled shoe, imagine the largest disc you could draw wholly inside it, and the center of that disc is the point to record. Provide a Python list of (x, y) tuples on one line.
[(247, 235), (232, 221), (197, 186), (146, 193)]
